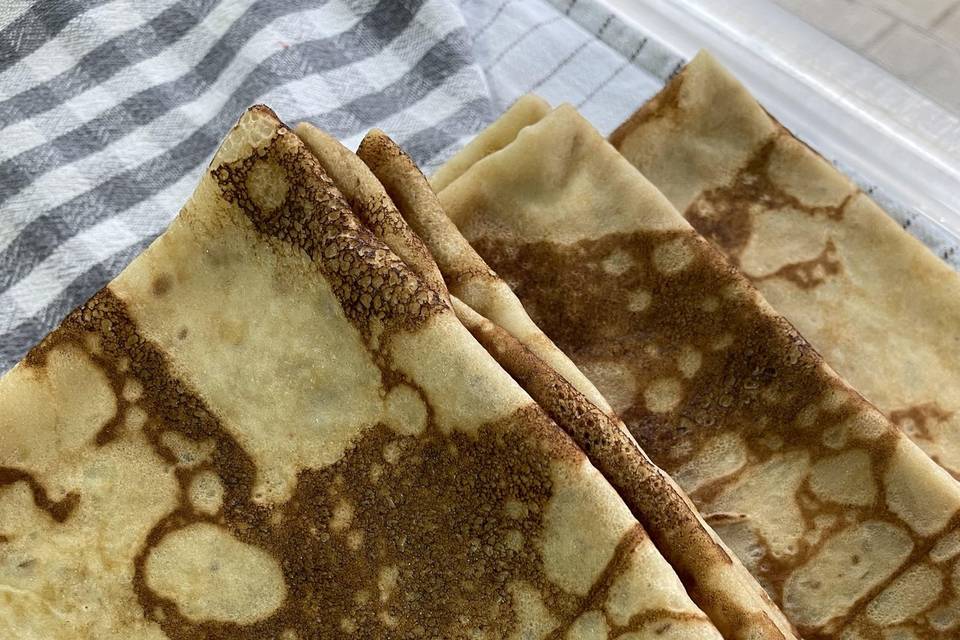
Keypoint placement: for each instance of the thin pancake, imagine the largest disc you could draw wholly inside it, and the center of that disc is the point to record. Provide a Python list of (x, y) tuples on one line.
[(397, 178), (716, 580), (269, 427), (849, 526), (527, 110), (878, 305), (465, 272)]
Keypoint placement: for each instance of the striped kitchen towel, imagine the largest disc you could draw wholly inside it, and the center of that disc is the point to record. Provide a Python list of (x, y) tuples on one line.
[(110, 109)]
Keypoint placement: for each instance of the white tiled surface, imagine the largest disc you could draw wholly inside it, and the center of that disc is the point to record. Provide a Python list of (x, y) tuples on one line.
[(949, 28), (930, 65), (838, 17), (920, 13), (916, 40)]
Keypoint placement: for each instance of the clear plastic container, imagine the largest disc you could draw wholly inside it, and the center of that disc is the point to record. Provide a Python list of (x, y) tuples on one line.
[(873, 125)]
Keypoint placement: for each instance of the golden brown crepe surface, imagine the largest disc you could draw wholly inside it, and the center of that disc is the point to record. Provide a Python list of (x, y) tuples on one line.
[(736, 604), (878, 305), (268, 426), (850, 527)]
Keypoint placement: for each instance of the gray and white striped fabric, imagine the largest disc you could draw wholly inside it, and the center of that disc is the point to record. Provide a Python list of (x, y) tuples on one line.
[(110, 109)]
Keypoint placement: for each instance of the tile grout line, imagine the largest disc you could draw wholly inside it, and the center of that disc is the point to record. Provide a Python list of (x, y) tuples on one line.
[(880, 35), (944, 15)]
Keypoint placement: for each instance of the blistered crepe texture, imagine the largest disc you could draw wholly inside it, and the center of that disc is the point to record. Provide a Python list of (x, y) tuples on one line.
[(269, 427), (717, 582), (850, 527), (445, 249), (878, 305)]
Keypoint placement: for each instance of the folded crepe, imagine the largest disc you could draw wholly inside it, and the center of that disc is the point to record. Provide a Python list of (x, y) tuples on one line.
[(717, 582), (528, 110), (878, 305), (433, 245), (850, 527), (268, 426)]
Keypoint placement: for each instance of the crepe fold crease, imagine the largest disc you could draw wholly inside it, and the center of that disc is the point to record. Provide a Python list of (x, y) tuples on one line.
[(272, 425), (847, 524), (715, 579)]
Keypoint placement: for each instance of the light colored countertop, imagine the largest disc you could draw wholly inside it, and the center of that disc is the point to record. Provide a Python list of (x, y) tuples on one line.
[(916, 40), (848, 107)]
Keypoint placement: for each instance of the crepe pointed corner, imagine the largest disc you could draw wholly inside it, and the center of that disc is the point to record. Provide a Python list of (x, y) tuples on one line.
[(416, 202), (527, 110), (661, 103), (253, 128)]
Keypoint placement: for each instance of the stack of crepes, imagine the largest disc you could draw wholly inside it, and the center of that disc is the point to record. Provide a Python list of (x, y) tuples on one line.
[(525, 399)]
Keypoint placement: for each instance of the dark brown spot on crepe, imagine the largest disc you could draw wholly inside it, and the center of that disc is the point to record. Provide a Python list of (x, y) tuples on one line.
[(724, 215), (662, 105), (161, 284), (917, 419), (436, 513), (59, 510), (808, 274), (724, 517), (754, 382)]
